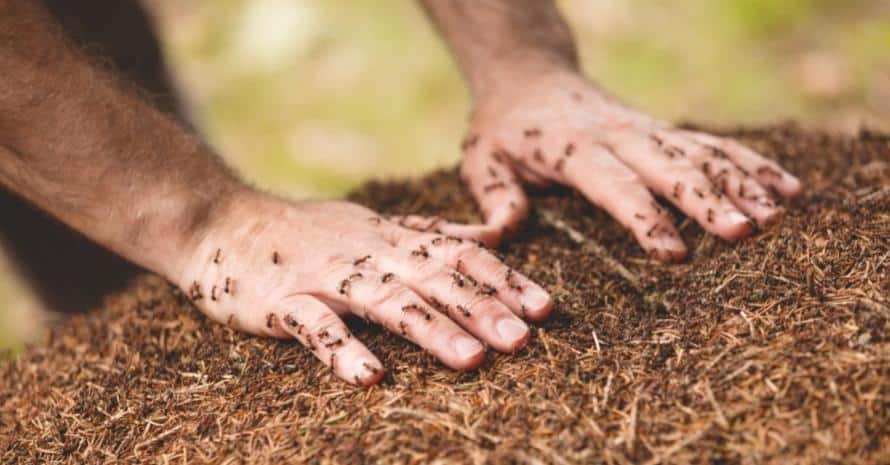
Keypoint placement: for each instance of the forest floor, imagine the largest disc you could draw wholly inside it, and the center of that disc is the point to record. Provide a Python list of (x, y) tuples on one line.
[(772, 350)]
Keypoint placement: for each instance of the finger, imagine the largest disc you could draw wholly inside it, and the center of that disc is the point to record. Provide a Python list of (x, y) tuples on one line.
[(520, 294), (611, 185), (744, 192), (320, 329), (465, 299), (381, 297), (493, 184), (765, 171), (667, 170), (489, 234)]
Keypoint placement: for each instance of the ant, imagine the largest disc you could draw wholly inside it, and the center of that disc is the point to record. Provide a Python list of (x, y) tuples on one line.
[(658, 141), (570, 149), (710, 217), (216, 258), (269, 319), (370, 367), (651, 230), (343, 288), (656, 206), (487, 290), (275, 258), (387, 277), (228, 287), (437, 241), (698, 192), (195, 291), (458, 279), (494, 186), (463, 311), (421, 252), (678, 190), (769, 171), (719, 153), (359, 261), (469, 142), (213, 293), (533, 132), (509, 279)]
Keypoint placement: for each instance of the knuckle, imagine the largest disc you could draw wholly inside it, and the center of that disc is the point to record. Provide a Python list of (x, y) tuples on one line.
[(390, 295)]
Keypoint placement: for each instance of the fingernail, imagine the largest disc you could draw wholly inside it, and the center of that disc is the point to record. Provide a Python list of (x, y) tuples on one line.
[(511, 330), (467, 347), (735, 217), (536, 299)]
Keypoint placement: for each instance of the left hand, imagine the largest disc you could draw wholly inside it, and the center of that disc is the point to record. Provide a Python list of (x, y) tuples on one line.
[(557, 127)]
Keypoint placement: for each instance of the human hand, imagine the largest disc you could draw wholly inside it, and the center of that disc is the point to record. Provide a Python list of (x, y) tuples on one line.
[(557, 127), (291, 270)]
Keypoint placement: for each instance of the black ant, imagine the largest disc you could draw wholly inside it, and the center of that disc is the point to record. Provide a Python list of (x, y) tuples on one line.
[(710, 216), (421, 252), (678, 190), (370, 367), (458, 279), (387, 277), (463, 311), (658, 141), (437, 241), (195, 291), (213, 293), (359, 261), (269, 319), (275, 258), (469, 142), (343, 288), (509, 279), (216, 258), (651, 230), (698, 192), (769, 171), (534, 132), (494, 186), (487, 289), (570, 149), (228, 287)]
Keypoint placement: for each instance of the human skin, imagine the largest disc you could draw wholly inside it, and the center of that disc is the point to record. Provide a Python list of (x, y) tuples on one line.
[(85, 147), (537, 119), (80, 144)]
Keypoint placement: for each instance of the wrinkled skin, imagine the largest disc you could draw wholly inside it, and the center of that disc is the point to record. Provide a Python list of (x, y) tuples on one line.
[(557, 127), (292, 270)]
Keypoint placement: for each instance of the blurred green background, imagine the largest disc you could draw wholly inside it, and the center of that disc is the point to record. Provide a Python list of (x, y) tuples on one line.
[(313, 97)]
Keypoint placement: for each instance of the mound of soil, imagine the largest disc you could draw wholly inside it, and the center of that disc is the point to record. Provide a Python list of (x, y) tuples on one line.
[(773, 350)]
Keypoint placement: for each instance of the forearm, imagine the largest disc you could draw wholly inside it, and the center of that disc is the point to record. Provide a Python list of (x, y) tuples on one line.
[(81, 146), (489, 37)]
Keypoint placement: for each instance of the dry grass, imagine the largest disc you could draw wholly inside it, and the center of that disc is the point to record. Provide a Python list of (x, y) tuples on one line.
[(774, 350)]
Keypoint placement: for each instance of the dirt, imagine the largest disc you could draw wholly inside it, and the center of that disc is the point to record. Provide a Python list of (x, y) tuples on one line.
[(772, 350)]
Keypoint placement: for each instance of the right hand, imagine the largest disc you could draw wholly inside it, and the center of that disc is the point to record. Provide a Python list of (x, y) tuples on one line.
[(290, 270)]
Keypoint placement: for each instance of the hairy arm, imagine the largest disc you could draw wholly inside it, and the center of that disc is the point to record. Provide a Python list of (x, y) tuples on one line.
[(485, 36), (86, 148)]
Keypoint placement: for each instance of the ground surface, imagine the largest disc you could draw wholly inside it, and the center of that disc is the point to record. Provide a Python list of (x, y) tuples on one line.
[(774, 350)]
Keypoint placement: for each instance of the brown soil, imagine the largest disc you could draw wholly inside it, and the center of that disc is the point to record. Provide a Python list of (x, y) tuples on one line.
[(774, 350)]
